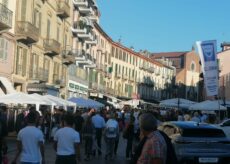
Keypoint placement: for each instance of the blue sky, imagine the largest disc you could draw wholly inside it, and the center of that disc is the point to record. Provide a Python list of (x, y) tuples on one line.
[(165, 25)]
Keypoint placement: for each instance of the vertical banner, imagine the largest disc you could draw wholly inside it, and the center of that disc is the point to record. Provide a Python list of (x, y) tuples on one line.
[(207, 52)]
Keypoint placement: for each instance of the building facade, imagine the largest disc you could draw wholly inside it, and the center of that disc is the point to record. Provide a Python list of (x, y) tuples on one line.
[(7, 42), (123, 73), (58, 48), (187, 73), (84, 39), (42, 34), (224, 73)]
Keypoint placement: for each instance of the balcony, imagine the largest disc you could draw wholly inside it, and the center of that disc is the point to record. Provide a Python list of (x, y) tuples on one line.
[(79, 28), (108, 75), (26, 32), (150, 69), (85, 10), (93, 85), (38, 74), (86, 37), (125, 77), (131, 79), (59, 81), (5, 18), (52, 47), (110, 91), (80, 3), (79, 80), (63, 9), (141, 67), (67, 57)]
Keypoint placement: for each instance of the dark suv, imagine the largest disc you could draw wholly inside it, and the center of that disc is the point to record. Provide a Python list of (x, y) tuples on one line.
[(198, 143)]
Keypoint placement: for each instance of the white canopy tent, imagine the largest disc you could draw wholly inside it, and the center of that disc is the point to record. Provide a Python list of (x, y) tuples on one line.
[(23, 98), (176, 102), (60, 101), (208, 106), (133, 103)]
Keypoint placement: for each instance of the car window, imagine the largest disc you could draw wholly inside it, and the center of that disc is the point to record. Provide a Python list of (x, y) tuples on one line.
[(202, 132)]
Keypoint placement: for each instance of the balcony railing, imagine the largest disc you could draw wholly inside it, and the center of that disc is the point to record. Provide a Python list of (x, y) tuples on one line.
[(68, 57), (59, 81), (79, 80), (80, 3), (125, 77), (85, 10), (79, 28), (39, 74), (150, 69), (26, 32), (93, 85), (52, 47), (110, 91), (5, 17), (63, 9)]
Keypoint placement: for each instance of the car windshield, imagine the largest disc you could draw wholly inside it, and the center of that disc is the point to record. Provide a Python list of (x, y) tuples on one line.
[(202, 132)]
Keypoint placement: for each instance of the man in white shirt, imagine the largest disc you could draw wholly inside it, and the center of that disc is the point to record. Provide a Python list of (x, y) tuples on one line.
[(67, 143), (99, 124), (30, 143), (111, 132)]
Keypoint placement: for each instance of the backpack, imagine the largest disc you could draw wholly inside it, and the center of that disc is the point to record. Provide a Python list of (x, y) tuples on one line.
[(171, 154), (111, 132)]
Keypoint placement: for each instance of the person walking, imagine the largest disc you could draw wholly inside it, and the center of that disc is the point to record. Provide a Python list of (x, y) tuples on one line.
[(30, 143), (111, 132), (99, 124), (154, 150), (129, 135), (67, 143), (88, 134)]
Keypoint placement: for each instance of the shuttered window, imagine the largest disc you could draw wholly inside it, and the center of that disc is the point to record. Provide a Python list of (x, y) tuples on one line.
[(23, 10)]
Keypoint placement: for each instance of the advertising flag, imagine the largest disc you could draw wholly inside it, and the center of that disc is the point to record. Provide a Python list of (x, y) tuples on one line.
[(207, 52)]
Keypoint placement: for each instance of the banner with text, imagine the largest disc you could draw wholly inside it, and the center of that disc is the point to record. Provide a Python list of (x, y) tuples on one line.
[(207, 52)]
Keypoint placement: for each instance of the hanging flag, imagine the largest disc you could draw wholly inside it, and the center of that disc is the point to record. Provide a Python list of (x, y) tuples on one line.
[(207, 52)]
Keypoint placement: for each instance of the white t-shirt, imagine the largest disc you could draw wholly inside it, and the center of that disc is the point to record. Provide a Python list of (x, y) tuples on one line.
[(66, 138), (30, 136)]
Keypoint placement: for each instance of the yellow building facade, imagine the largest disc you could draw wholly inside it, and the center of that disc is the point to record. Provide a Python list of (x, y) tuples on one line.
[(42, 32)]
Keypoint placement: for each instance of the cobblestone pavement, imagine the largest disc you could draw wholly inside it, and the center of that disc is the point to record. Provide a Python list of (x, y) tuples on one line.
[(50, 153)]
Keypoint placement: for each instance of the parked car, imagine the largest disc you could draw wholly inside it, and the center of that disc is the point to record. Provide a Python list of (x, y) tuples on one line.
[(197, 142), (225, 126)]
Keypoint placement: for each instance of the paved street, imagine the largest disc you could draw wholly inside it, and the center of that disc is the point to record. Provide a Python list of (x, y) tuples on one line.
[(50, 153)]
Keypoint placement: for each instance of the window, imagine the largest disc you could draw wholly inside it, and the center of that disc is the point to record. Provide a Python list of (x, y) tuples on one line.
[(4, 48), (23, 10), (116, 51), (48, 29), (193, 66), (112, 51), (120, 55), (124, 56)]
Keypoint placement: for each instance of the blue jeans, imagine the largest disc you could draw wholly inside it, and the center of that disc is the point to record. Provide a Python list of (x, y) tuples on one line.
[(30, 162)]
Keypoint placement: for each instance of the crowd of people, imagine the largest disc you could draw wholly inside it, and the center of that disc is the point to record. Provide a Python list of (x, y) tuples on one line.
[(85, 129)]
